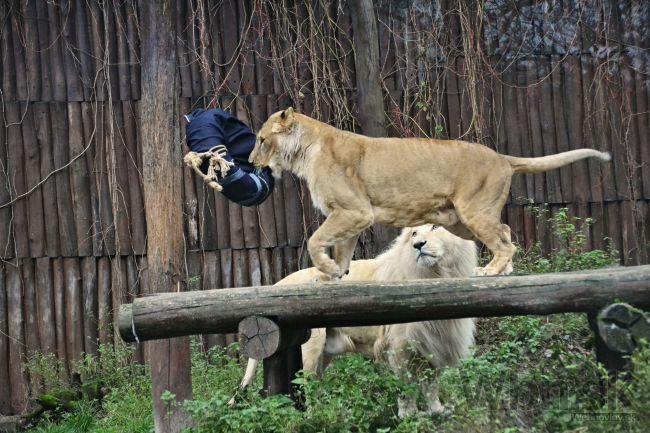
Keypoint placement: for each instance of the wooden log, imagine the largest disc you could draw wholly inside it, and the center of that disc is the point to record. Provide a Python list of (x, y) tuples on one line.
[(622, 327), (362, 303), (261, 337)]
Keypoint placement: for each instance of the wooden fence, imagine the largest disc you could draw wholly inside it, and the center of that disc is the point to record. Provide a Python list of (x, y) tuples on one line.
[(72, 223)]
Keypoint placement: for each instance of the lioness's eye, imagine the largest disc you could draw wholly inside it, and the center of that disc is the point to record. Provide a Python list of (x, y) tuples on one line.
[(413, 235), (433, 227)]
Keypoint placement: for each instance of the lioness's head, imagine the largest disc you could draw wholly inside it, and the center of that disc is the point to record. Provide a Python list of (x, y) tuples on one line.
[(276, 142)]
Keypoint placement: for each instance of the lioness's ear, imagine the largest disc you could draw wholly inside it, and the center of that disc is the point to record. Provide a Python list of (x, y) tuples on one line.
[(287, 114)]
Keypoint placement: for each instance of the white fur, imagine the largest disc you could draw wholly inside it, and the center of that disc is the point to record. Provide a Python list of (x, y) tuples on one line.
[(409, 347)]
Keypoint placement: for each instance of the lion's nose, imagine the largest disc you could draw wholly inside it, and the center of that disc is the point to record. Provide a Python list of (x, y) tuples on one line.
[(418, 245)]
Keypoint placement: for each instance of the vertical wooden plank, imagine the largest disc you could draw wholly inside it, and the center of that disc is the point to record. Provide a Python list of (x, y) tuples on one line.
[(602, 128), (629, 234), (5, 385), (95, 26), (50, 210), (183, 64), (111, 50), (532, 145), (118, 176), (7, 248), (630, 118), (574, 110), (133, 290), (96, 180), (45, 305), (454, 124), (56, 66), (22, 82), (83, 60), (61, 140), (642, 94), (254, 268), (553, 186), (212, 280), (36, 224), (90, 305), (225, 258), (613, 227), (230, 37), (80, 182), (40, 21), (561, 132), (136, 214), (133, 36), (290, 259), (16, 336), (65, 16), (101, 168), (74, 326), (8, 82), (513, 127), (589, 129), (58, 284), (16, 171), (104, 301), (29, 40), (277, 262), (190, 202), (119, 289), (266, 266), (240, 268), (292, 210)]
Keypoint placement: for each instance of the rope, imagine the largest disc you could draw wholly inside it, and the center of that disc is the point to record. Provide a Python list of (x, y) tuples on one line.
[(217, 164)]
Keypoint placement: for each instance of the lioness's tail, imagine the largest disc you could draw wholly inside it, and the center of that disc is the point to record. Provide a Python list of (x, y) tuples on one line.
[(545, 163)]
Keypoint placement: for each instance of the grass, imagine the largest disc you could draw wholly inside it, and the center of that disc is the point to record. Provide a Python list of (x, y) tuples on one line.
[(526, 374)]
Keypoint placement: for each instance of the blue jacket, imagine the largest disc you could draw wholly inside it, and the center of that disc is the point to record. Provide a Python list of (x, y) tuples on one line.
[(244, 184)]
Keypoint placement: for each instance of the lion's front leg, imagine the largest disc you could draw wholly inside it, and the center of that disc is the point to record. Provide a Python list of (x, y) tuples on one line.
[(340, 227)]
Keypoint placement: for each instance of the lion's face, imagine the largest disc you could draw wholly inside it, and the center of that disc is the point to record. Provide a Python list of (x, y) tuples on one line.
[(428, 243), (268, 150)]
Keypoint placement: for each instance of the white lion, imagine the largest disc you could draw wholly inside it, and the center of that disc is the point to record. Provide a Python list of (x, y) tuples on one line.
[(426, 251)]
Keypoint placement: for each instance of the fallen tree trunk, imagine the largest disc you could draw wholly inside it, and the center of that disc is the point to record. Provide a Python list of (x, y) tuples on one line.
[(166, 315)]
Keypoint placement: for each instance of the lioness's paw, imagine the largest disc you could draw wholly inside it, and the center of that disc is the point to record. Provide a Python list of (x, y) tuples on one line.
[(484, 272), (508, 269), (323, 278)]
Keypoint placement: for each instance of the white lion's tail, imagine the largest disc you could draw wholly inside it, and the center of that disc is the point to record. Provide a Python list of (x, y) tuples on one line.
[(545, 163)]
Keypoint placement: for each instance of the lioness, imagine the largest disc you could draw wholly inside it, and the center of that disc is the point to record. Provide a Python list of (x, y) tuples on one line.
[(357, 181), (410, 348)]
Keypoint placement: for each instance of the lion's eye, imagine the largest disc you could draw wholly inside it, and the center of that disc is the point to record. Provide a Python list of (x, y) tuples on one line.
[(414, 233), (433, 227)]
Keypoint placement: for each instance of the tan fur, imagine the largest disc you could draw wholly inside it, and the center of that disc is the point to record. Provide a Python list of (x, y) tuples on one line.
[(357, 181), (410, 347)]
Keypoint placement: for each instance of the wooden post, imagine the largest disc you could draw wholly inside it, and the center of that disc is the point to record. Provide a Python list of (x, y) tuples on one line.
[(162, 181), (262, 338), (370, 100)]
